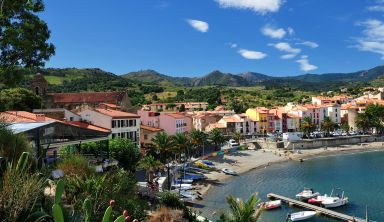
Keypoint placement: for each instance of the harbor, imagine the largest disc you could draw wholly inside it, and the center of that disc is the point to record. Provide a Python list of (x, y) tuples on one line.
[(319, 210), (289, 177)]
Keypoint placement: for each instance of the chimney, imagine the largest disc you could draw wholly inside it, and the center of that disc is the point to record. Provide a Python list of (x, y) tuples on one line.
[(40, 117)]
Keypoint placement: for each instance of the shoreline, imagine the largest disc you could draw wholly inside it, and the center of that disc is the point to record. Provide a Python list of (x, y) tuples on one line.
[(250, 160)]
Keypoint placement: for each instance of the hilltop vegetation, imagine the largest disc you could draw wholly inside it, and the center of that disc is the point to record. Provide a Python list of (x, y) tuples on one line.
[(236, 91)]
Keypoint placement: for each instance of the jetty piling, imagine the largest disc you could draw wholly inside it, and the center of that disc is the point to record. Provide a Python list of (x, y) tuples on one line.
[(321, 210)]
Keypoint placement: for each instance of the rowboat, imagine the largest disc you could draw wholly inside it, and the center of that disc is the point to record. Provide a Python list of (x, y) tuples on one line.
[(269, 205), (229, 172), (302, 215)]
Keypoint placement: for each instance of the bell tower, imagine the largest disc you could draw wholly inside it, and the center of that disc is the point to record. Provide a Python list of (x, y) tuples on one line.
[(39, 85)]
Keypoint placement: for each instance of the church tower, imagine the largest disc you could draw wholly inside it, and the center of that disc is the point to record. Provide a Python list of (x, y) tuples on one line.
[(39, 85)]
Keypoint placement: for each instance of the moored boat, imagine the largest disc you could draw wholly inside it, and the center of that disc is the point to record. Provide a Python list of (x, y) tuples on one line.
[(302, 215), (317, 200), (229, 172), (332, 202), (306, 194), (269, 205)]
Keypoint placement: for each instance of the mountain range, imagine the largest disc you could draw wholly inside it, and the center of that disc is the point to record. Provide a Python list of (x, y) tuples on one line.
[(94, 79), (217, 78)]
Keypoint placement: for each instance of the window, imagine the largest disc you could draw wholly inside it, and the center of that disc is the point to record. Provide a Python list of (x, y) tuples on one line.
[(145, 136), (71, 118), (113, 135), (121, 123), (130, 123), (118, 123), (113, 124)]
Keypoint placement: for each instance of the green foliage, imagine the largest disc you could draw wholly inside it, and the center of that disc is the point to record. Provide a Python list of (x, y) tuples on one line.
[(20, 193), (149, 164), (241, 211), (217, 137), (171, 200), (126, 152), (57, 213), (328, 125), (23, 37), (164, 145), (307, 126), (59, 191), (198, 139), (372, 118), (18, 99), (12, 145), (212, 95), (74, 164), (87, 209), (100, 189)]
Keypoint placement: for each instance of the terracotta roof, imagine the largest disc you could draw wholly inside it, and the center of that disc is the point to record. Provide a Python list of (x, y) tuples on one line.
[(232, 119), (23, 117), (150, 128), (111, 105), (175, 115), (116, 113), (217, 125), (88, 97), (88, 126)]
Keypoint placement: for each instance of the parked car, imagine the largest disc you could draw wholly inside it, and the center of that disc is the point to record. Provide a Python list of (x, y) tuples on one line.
[(233, 143)]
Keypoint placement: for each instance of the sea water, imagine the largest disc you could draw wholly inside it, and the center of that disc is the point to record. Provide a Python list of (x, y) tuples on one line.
[(361, 176)]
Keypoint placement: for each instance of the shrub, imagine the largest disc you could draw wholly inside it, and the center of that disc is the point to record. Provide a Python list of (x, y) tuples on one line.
[(74, 165), (126, 152)]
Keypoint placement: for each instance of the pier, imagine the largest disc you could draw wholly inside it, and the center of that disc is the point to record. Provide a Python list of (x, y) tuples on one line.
[(319, 210)]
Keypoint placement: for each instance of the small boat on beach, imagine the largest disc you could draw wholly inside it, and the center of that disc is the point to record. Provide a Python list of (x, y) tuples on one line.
[(306, 194), (178, 181), (302, 215), (229, 171), (270, 205)]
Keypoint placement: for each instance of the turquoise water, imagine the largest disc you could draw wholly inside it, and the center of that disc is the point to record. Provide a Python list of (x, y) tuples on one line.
[(361, 176)]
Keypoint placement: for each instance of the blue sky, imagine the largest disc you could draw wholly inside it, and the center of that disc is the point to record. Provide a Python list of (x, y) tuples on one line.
[(195, 37)]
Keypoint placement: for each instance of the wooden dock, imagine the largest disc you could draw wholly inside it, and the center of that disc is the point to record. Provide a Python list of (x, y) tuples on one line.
[(319, 210)]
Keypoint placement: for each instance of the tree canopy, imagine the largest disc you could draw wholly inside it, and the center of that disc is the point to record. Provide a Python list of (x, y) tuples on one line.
[(23, 38), (19, 99)]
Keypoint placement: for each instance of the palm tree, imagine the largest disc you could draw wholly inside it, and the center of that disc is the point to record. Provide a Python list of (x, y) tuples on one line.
[(164, 145), (216, 136), (241, 211), (307, 126), (327, 125), (149, 164), (198, 139), (237, 136), (181, 143)]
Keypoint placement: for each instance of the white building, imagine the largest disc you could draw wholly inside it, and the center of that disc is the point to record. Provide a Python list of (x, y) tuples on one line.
[(121, 124)]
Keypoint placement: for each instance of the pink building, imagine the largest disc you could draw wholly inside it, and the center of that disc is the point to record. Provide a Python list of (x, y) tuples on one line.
[(171, 123)]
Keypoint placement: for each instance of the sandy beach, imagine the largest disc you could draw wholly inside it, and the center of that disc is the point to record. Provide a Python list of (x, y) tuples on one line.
[(244, 161)]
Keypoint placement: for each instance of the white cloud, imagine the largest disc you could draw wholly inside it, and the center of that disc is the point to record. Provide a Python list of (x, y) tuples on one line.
[(309, 44), (305, 65), (259, 6), (285, 47), (373, 37), (200, 26), (376, 8), (248, 54), (275, 33), (288, 56), (291, 31), (232, 45)]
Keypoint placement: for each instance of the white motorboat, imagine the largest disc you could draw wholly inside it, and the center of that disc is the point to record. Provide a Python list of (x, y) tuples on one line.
[(318, 199), (189, 195), (302, 215), (306, 194), (182, 186), (269, 205), (334, 201), (331, 202), (229, 172)]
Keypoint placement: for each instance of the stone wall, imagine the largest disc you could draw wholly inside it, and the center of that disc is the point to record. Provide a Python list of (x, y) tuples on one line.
[(330, 142)]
